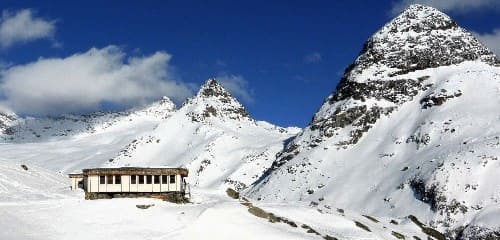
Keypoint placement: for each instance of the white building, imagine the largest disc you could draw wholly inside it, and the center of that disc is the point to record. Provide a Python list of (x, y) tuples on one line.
[(165, 183)]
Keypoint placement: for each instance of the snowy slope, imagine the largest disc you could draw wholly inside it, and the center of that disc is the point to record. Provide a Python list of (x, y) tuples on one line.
[(214, 137), (413, 128), (70, 143), (38, 204), (34, 183), (211, 134), (30, 129)]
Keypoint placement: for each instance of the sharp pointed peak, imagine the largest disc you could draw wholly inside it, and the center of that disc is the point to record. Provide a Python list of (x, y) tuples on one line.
[(165, 100), (211, 81), (419, 37), (418, 18), (416, 7), (212, 88), (214, 100)]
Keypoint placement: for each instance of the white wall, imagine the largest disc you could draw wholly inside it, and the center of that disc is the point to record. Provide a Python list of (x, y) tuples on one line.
[(74, 182), (125, 183), (92, 184)]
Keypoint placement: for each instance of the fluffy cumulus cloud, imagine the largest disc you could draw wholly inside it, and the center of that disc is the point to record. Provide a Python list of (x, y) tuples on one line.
[(22, 26), (313, 57), (449, 5), (237, 86), (87, 81), (491, 40)]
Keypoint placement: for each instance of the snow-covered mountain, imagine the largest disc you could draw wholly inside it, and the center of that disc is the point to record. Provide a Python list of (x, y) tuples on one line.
[(413, 128), (69, 143), (211, 134), (214, 137), (29, 129)]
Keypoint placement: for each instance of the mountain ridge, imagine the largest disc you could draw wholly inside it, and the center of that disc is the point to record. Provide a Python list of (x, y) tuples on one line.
[(36, 129), (401, 135), (214, 137)]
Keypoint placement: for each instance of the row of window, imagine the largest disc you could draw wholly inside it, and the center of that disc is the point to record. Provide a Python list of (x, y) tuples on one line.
[(141, 179)]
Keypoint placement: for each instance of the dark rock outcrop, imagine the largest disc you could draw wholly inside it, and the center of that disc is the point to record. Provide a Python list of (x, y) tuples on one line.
[(419, 38), (213, 100)]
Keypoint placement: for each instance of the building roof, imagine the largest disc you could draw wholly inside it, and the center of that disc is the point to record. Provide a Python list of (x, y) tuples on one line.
[(75, 175), (136, 171)]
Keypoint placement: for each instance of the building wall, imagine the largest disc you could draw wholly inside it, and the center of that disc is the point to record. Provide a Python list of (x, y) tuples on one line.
[(74, 182), (144, 187), (85, 183), (164, 186), (125, 183), (157, 187), (92, 184), (134, 187)]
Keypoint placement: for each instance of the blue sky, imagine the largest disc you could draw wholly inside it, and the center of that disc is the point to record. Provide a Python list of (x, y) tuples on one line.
[(280, 58)]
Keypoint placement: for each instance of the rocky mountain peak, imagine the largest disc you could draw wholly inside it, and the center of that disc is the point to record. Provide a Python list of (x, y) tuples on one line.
[(420, 37), (212, 88), (213, 100), (419, 18), (376, 84)]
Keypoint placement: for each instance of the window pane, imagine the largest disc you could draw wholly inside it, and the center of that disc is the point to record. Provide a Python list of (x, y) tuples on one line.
[(172, 179), (133, 179), (118, 179), (101, 180), (157, 179), (109, 179), (164, 179), (149, 179), (141, 179)]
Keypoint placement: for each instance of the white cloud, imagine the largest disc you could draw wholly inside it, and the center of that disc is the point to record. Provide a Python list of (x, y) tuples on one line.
[(460, 6), (85, 81), (237, 86), (22, 26), (491, 40), (313, 57)]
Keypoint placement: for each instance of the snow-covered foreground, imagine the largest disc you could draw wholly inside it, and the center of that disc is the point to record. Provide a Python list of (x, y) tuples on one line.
[(38, 204), (30, 210), (71, 217)]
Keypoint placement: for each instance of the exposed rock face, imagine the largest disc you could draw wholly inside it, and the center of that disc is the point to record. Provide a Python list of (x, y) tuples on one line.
[(412, 128), (419, 38), (212, 100), (6, 120), (478, 233)]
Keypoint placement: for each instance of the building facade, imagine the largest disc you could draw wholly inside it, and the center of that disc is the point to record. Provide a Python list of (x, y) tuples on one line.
[(165, 183)]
